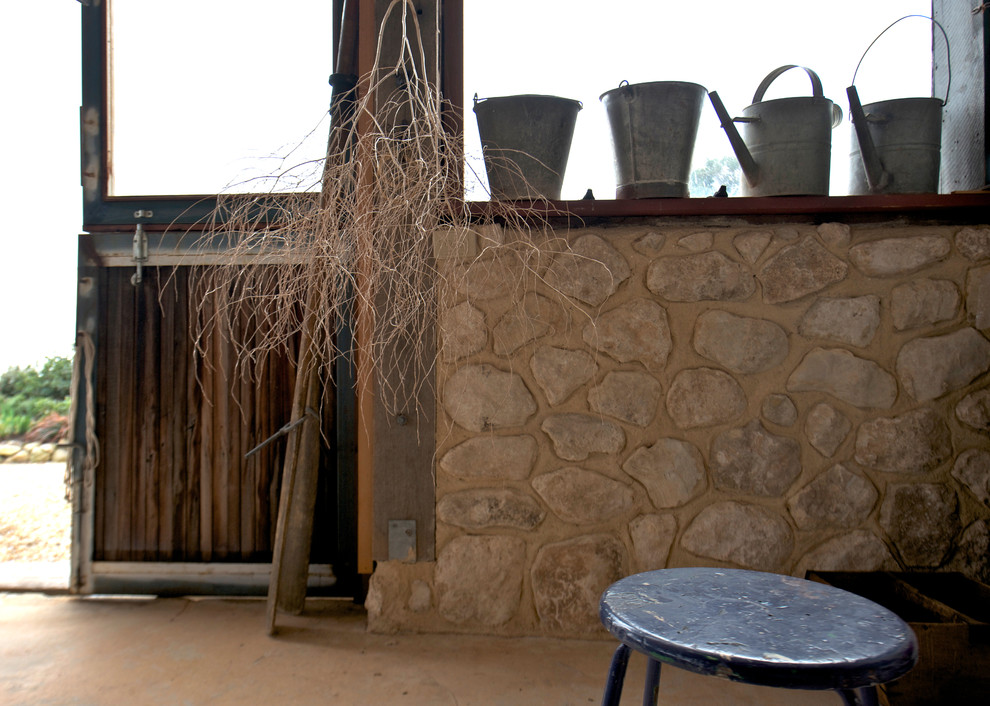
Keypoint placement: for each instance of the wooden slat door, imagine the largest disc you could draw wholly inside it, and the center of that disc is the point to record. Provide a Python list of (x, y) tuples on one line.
[(173, 483)]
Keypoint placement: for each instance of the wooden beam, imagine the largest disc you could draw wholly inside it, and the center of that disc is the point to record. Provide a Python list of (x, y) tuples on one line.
[(367, 38)]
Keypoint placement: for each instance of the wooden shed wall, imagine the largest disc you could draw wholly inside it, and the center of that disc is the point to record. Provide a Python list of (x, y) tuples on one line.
[(173, 483)]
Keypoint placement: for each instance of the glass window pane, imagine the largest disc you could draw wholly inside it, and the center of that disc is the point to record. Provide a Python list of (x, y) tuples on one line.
[(209, 95)]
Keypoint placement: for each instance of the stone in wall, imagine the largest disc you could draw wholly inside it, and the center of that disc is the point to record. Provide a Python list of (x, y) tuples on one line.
[(921, 520), (650, 244), (483, 398), (591, 271), (583, 497), (9, 449), (898, 256), (569, 577), (672, 471), (559, 371), (973, 410), (12, 451), (747, 535), (697, 242), (652, 537), (491, 457), (709, 276), (751, 460), (835, 235), (487, 278), (826, 428), (704, 397), (779, 409), (787, 234), (859, 550), (420, 596), (836, 498), (974, 243), (577, 436), (627, 395), (462, 331), (843, 375), (390, 593), (978, 297), (752, 244), (852, 320), (972, 469), (931, 367), (524, 323), (972, 556), (479, 579), (484, 508), (635, 331), (915, 442), (799, 270), (923, 302), (740, 343)]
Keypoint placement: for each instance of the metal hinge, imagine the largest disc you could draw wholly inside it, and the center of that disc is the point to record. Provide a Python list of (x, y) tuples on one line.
[(140, 252)]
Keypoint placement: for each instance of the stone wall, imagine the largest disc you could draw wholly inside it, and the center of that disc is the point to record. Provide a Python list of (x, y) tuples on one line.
[(780, 398), (14, 451)]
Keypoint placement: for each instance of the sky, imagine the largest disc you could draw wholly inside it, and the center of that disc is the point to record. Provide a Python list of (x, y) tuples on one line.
[(39, 50), (221, 111)]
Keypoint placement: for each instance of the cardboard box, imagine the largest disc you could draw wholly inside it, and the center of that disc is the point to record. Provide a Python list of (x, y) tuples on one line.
[(950, 614)]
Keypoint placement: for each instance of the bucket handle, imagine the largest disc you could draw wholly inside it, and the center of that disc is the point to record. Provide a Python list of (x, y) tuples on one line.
[(816, 83), (816, 91), (948, 57)]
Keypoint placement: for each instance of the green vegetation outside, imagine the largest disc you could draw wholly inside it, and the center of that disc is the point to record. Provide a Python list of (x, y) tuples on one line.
[(28, 396)]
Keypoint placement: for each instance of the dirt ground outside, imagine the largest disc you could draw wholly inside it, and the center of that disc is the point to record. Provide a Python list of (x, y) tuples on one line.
[(35, 517)]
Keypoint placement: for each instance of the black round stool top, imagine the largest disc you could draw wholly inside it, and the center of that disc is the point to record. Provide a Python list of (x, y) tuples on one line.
[(759, 628)]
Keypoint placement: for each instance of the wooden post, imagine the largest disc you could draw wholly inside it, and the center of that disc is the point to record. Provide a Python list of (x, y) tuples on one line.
[(298, 535), (364, 314), (294, 527)]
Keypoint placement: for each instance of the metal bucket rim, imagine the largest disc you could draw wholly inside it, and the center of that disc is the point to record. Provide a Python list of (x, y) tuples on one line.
[(628, 86), (792, 99), (561, 99), (918, 99)]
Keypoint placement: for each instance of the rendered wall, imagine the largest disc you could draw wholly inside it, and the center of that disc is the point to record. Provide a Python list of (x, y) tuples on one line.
[(781, 398)]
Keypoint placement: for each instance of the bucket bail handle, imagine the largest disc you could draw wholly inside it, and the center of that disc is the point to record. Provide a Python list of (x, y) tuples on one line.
[(816, 83), (948, 53)]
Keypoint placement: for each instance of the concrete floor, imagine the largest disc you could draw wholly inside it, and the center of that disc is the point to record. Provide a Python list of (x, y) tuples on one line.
[(63, 650)]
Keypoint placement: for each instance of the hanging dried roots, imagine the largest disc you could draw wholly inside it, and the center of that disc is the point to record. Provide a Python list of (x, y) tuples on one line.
[(360, 249)]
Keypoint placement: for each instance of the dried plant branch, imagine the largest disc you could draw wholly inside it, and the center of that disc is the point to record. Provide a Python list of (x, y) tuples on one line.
[(363, 246)]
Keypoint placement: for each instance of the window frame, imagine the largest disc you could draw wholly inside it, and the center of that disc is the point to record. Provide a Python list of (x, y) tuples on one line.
[(103, 211)]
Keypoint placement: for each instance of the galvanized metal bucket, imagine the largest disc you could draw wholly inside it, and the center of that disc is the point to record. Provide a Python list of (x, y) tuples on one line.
[(897, 144), (526, 141), (654, 126), (784, 146)]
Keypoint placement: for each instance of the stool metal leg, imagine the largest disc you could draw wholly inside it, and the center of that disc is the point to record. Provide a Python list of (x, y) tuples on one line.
[(863, 696), (616, 675), (651, 692)]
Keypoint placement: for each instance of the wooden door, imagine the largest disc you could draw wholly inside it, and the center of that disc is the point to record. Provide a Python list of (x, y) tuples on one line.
[(174, 483)]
